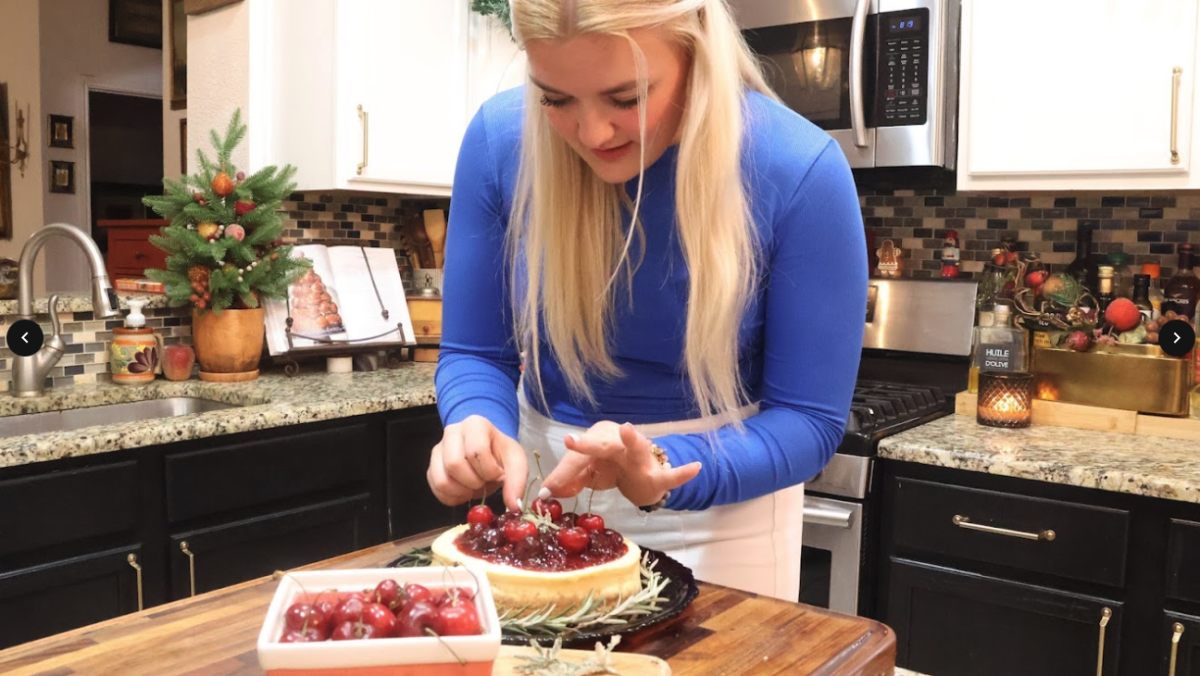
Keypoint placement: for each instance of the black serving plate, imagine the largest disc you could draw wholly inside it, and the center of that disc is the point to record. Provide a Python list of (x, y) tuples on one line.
[(679, 593)]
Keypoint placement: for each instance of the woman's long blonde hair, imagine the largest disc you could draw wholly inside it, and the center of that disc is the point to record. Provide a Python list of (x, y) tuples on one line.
[(565, 243)]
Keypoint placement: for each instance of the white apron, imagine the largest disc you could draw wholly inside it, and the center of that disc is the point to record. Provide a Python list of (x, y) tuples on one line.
[(753, 546)]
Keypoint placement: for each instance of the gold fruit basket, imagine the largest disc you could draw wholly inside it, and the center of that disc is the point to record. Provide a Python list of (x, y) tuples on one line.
[(1139, 378)]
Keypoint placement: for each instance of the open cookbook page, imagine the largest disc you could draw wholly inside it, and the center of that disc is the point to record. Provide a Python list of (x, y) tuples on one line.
[(368, 280)]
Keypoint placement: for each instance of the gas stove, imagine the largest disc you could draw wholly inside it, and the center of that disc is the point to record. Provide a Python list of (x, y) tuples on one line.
[(916, 353)]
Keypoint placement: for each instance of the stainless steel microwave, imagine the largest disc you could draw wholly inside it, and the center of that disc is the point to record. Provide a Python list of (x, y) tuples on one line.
[(881, 76)]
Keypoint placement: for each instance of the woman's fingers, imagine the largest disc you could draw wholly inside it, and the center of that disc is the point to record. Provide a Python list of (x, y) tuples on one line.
[(677, 476), (456, 444), (515, 468), (446, 489), (576, 471)]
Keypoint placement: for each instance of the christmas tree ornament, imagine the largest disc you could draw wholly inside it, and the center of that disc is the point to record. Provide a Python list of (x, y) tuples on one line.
[(239, 279), (241, 176), (242, 207), (207, 230), (274, 256), (222, 185), (191, 226), (235, 231), (198, 274)]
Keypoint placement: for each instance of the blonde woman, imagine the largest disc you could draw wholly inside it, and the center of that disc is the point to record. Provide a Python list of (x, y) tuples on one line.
[(681, 261)]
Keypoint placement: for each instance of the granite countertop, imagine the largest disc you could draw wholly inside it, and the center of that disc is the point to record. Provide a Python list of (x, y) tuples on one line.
[(83, 302), (1124, 463), (273, 400)]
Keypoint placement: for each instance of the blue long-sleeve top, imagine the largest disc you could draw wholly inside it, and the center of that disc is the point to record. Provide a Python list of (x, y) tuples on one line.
[(799, 343)]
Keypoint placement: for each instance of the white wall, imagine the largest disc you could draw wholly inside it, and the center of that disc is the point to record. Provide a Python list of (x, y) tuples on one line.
[(171, 118), (75, 55), (19, 56)]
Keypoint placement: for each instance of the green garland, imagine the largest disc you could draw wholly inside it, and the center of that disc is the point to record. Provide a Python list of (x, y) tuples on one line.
[(497, 8)]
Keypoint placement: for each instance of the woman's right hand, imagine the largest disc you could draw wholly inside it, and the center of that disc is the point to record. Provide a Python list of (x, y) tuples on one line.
[(472, 459)]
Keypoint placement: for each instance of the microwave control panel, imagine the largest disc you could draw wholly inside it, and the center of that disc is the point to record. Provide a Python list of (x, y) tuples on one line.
[(904, 68)]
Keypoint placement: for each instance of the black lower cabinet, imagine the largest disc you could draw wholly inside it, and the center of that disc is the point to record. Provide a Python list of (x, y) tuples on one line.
[(66, 594), (412, 508), (224, 555), (954, 623), (1180, 645)]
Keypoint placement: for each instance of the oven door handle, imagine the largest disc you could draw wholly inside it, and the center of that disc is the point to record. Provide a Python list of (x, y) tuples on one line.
[(858, 32), (822, 512)]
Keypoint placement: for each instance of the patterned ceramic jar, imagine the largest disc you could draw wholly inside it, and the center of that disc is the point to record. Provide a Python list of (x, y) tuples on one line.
[(133, 355)]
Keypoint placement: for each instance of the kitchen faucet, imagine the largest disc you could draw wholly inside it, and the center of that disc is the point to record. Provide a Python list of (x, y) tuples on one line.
[(29, 373)]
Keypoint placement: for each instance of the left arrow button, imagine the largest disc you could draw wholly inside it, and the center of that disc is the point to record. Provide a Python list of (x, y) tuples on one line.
[(25, 337)]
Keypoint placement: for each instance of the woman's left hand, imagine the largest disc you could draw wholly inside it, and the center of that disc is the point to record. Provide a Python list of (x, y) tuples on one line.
[(608, 456)]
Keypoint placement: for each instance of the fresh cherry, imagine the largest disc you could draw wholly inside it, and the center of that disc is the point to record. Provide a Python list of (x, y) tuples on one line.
[(301, 616), (309, 635), (590, 522), (416, 593), (389, 594), (548, 507), (459, 618), (350, 631), (379, 618), (574, 540), (351, 610), (491, 540), (505, 518), (327, 603), (416, 618), (566, 520), (481, 514), (515, 531)]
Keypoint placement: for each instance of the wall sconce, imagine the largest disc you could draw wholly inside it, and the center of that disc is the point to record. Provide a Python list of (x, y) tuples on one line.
[(1005, 399), (20, 144)]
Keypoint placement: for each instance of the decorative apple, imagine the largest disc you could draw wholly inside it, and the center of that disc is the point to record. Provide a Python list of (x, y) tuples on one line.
[(178, 361)]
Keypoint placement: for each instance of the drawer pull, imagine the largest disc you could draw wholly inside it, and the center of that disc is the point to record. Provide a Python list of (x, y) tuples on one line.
[(1175, 114), (183, 547), (366, 140), (1175, 636), (132, 559), (138, 255), (1105, 616), (965, 522)]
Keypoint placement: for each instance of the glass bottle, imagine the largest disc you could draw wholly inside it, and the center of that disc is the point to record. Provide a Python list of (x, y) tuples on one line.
[(1141, 297), (1154, 271), (986, 320), (1104, 294), (1122, 275), (991, 285), (1084, 268), (1183, 287), (1001, 346)]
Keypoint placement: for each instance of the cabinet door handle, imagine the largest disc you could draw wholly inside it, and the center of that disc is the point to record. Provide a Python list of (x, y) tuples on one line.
[(366, 126), (1177, 633), (1175, 114), (138, 255), (183, 547), (132, 560), (965, 522), (1105, 616)]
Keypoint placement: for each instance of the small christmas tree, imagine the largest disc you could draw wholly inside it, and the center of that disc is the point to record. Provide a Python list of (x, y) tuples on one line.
[(223, 244)]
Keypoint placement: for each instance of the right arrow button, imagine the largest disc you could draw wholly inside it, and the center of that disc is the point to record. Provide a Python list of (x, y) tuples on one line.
[(1177, 338)]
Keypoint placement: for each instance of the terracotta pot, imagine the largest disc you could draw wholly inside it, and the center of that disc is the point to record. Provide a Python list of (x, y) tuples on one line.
[(228, 344)]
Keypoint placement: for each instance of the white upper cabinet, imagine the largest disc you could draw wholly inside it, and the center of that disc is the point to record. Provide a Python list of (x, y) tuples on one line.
[(375, 95), (1078, 94)]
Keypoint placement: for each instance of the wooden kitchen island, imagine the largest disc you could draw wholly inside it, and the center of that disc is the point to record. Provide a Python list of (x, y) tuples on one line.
[(723, 632)]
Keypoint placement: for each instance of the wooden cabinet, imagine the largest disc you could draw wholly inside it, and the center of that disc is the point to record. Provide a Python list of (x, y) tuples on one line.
[(227, 554), (957, 623), (128, 251), (399, 81), (246, 505), (1180, 642), (1078, 94)]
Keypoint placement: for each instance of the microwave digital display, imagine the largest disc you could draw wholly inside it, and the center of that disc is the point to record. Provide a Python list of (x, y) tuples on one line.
[(904, 24)]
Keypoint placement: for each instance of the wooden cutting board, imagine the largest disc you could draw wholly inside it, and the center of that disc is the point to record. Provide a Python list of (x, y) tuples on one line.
[(627, 664)]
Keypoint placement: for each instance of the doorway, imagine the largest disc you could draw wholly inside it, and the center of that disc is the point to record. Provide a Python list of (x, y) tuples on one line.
[(125, 156)]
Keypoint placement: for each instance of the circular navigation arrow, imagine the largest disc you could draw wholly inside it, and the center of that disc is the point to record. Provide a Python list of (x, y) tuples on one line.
[(25, 337), (1177, 338)]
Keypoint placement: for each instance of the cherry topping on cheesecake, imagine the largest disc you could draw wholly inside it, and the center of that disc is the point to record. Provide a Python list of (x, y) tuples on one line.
[(481, 514), (523, 544), (547, 507)]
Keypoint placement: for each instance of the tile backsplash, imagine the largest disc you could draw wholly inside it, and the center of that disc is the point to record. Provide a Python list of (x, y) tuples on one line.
[(1146, 225)]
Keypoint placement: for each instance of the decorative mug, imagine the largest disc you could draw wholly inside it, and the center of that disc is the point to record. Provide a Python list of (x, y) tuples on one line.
[(133, 356)]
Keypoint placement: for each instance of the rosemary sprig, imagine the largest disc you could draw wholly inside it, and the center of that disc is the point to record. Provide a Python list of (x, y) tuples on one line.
[(540, 520), (548, 663), (417, 558), (546, 622)]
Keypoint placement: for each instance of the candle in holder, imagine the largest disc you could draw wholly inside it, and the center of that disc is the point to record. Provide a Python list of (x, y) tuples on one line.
[(1005, 399)]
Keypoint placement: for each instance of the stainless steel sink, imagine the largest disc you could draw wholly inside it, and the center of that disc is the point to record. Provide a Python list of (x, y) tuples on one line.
[(78, 418)]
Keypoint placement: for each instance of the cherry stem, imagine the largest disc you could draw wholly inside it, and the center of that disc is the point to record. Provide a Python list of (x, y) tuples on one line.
[(525, 496), (434, 634)]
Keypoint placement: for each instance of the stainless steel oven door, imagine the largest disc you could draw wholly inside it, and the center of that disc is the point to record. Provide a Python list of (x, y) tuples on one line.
[(819, 58), (829, 563)]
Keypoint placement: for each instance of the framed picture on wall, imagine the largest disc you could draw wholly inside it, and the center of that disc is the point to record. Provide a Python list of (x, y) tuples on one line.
[(136, 22), (5, 168), (62, 177), (183, 146), (62, 131)]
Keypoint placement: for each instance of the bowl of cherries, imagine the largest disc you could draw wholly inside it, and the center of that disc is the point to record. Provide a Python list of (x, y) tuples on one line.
[(437, 620)]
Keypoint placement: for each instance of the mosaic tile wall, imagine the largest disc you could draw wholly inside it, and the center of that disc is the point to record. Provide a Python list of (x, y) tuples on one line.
[(1146, 225), (87, 338)]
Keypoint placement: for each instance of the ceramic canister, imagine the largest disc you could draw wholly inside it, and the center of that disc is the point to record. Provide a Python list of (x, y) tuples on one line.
[(134, 354)]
